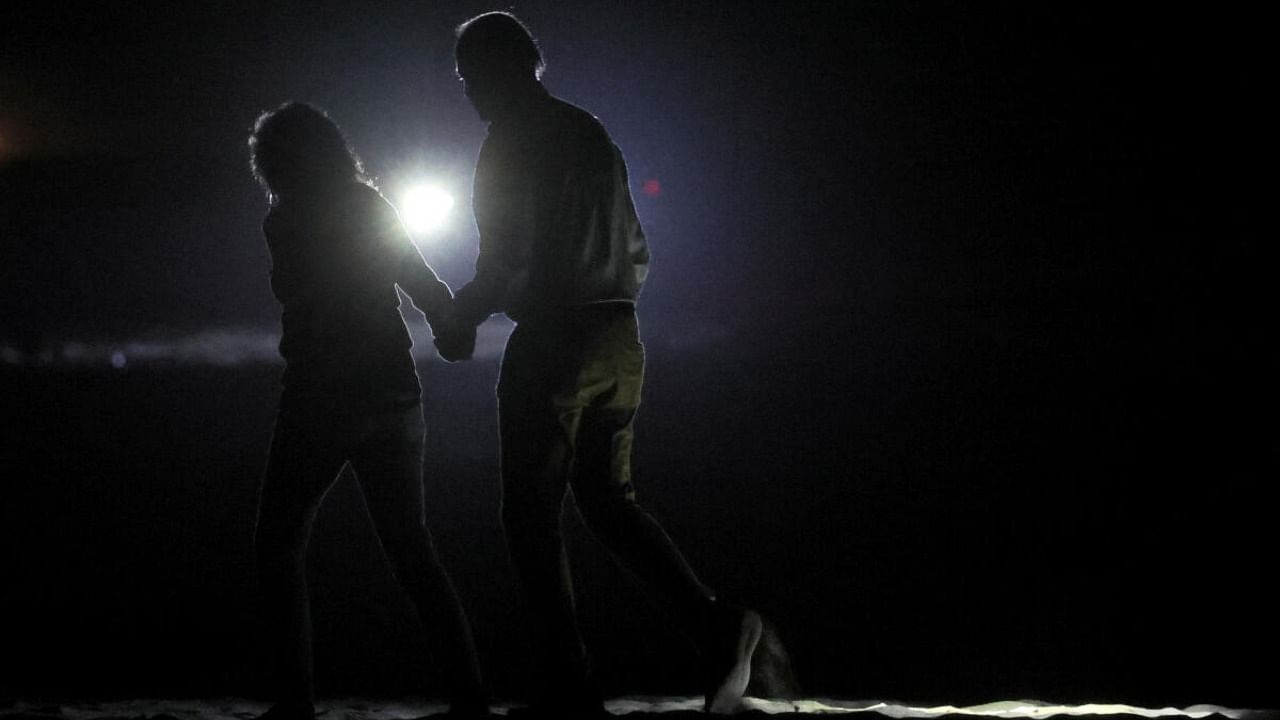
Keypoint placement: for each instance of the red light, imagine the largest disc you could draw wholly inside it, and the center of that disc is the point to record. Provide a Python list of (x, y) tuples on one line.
[(652, 188)]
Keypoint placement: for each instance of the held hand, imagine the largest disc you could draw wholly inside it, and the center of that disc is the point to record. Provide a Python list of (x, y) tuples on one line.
[(455, 344)]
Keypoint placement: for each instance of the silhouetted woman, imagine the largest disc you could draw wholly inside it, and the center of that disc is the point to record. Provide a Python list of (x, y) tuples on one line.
[(350, 393)]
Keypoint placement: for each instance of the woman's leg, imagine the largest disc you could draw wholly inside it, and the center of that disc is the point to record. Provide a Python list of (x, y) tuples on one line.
[(303, 463), (388, 465)]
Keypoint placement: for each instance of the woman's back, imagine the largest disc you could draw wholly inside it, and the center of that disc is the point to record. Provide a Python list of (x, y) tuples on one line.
[(335, 259)]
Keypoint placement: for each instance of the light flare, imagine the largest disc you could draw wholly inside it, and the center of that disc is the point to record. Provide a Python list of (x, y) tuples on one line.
[(425, 208)]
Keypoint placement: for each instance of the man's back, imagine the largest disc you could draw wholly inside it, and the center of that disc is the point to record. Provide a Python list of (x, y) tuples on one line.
[(557, 225)]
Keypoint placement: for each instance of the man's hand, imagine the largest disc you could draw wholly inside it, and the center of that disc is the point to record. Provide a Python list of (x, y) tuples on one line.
[(455, 343)]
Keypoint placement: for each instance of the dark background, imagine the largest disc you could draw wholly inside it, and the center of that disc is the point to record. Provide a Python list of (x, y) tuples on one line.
[(954, 328)]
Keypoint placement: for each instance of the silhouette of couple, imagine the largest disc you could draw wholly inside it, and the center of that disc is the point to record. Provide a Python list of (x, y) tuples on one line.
[(563, 255)]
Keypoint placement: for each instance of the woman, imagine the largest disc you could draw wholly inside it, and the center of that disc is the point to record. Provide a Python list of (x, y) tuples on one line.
[(350, 393)]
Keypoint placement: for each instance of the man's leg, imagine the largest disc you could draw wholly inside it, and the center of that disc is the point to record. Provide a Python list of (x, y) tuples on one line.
[(301, 468), (610, 381), (536, 454), (605, 496), (388, 466), (602, 486)]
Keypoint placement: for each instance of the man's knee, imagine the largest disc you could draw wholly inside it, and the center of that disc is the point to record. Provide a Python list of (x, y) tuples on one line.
[(527, 519), (603, 507)]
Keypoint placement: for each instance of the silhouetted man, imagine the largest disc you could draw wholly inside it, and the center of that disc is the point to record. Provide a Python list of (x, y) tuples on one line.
[(563, 255)]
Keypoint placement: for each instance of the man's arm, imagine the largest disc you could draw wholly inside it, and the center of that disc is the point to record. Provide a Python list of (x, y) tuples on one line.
[(487, 292), (504, 214)]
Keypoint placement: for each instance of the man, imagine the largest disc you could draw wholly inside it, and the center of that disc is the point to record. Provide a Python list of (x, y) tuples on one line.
[(563, 255)]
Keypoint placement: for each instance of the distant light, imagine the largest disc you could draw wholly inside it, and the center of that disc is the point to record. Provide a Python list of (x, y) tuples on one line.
[(652, 188), (118, 360), (425, 208)]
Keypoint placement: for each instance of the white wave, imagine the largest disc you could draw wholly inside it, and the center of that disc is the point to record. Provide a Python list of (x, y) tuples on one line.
[(215, 346), (223, 347)]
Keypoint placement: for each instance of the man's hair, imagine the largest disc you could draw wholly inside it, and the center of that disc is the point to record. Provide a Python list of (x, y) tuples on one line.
[(499, 41), (297, 144)]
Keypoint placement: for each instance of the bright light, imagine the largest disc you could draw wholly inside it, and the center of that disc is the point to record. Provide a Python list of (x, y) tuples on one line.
[(424, 208)]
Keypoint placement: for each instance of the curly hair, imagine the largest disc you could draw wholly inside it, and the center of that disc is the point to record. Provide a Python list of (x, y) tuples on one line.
[(297, 147)]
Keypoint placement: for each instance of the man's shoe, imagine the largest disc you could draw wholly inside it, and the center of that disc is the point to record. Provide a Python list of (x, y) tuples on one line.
[(731, 642)]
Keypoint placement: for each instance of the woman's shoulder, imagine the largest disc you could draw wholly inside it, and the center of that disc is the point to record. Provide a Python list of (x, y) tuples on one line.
[(275, 224), (367, 212), (342, 211), (367, 198)]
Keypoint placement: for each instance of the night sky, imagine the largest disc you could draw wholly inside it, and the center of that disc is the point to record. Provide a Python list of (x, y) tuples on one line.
[(955, 331)]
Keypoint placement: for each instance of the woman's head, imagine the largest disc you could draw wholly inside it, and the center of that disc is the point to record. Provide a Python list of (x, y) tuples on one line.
[(296, 149)]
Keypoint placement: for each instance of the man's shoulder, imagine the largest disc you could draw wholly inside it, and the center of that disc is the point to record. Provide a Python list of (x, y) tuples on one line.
[(552, 125), (572, 113), (578, 137), (577, 119)]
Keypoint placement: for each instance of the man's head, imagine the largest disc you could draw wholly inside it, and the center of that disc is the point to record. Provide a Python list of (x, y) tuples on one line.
[(497, 58)]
